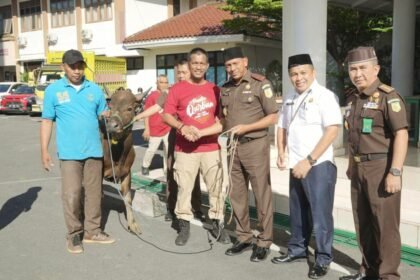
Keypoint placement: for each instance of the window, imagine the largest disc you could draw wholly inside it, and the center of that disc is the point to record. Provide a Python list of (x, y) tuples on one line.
[(165, 64), (177, 7), (98, 10), (216, 72), (62, 12), (30, 15), (135, 63), (6, 20)]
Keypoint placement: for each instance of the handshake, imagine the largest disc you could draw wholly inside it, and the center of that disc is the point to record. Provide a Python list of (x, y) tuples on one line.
[(190, 132)]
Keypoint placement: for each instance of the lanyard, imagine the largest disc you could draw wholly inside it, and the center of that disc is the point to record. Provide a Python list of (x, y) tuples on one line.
[(297, 110)]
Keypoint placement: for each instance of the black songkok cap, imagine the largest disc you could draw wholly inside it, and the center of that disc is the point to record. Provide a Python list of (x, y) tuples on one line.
[(299, 59), (71, 57), (232, 53), (361, 54)]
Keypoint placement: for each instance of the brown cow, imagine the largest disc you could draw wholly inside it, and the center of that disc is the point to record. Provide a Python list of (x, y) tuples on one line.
[(123, 106)]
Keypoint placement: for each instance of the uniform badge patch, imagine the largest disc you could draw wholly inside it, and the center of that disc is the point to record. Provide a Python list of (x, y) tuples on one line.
[(393, 100), (346, 125), (376, 94), (268, 92), (396, 107), (225, 111)]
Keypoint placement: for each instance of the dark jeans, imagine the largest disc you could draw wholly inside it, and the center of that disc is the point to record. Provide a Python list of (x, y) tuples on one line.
[(311, 205)]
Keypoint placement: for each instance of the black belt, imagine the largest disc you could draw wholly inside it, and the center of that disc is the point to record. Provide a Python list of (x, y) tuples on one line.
[(245, 139), (369, 157)]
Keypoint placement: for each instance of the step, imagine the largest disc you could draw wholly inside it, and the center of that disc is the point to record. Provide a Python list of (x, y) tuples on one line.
[(343, 216)]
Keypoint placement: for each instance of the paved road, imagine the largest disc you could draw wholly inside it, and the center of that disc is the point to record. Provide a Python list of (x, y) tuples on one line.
[(32, 232)]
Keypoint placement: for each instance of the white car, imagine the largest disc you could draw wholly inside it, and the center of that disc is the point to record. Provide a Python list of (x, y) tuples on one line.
[(8, 88)]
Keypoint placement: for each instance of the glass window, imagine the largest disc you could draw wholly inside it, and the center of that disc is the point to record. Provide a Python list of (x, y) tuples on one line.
[(177, 7), (216, 73), (135, 63), (96, 10), (165, 64), (210, 75), (62, 12), (30, 15), (6, 20)]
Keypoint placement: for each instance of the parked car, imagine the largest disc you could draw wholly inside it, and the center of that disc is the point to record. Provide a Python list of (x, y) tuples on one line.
[(19, 101), (6, 88)]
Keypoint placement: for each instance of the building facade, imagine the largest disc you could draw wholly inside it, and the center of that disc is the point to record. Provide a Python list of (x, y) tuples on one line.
[(32, 28)]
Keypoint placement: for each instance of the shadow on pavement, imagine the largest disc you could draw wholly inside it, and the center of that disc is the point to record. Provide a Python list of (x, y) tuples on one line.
[(16, 205), (111, 204)]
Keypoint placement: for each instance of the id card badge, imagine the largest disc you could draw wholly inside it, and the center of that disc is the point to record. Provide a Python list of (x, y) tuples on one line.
[(367, 125)]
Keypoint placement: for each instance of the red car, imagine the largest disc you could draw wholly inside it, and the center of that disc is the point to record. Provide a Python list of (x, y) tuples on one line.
[(19, 101)]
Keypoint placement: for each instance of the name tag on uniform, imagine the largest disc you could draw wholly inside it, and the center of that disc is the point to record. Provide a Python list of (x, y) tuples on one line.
[(371, 105), (367, 125)]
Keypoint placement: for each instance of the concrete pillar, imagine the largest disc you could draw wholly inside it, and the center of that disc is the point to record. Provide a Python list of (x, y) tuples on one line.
[(305, 31), (403, 35)]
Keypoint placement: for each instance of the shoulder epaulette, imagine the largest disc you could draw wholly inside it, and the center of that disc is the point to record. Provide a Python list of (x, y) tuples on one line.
[(386, 89), (258, 77)]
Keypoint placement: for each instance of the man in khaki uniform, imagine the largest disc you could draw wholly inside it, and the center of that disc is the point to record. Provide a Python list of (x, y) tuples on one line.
[(249, 109), (378, 141)]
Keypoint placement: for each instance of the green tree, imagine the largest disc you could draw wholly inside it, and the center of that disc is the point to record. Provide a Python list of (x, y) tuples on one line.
[(255, 17), (346, 28), (350, 28)]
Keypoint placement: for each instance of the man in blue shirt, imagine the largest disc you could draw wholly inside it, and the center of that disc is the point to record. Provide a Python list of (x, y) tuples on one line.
[(75, 103)]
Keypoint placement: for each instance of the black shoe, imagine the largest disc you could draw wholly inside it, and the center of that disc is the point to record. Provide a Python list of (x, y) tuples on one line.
[(169, 215), (259, 253), (238, 248), (357, 276), (184, 233), (318, 271), (200, 216), (145, 171), (219, 232), (288, 259)]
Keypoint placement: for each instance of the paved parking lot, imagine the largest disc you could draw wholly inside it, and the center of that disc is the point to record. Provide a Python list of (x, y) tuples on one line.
[(32, 232)]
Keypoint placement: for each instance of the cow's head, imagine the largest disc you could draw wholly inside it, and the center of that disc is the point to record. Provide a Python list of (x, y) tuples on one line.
[(123, 106)]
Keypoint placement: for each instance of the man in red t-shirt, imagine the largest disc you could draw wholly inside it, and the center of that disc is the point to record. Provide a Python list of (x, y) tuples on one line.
[(155, 130), (196, 105)]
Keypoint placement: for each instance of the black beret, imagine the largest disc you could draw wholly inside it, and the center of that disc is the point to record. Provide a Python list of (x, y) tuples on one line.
[(71, 57), (299, 59), (232, 53)]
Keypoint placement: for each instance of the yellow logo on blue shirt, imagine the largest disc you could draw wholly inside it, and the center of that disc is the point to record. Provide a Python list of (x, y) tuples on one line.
[(63, 97)]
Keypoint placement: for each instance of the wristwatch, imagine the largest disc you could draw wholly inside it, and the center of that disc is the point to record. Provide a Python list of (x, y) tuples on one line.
[(311, 160), (395, 171)]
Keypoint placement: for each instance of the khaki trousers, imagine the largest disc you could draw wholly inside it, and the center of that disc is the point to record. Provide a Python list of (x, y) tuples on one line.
[(82, 187), (172, 186), (377, 219), (154, 143), (186, 168), (251, 163)]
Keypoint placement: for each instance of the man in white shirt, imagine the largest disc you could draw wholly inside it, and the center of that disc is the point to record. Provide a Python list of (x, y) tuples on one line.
[(308, 124)]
